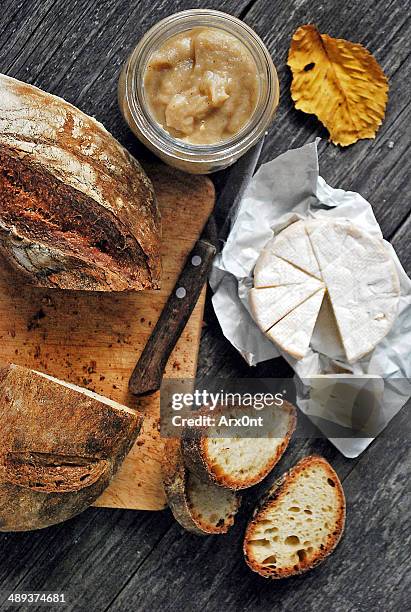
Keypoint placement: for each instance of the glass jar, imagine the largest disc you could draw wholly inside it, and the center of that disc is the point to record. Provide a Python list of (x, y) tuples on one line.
[(196, 159)]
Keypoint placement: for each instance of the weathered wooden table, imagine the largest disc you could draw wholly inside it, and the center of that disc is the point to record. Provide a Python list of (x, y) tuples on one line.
[(124, 560)]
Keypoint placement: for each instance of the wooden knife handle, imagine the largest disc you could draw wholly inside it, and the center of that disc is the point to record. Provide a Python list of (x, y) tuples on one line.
[(148, 373)]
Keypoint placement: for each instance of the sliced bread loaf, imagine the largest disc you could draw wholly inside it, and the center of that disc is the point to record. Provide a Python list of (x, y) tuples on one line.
[(60, 445), (77, 211), (298, 523), (239, 462), (200, 507)]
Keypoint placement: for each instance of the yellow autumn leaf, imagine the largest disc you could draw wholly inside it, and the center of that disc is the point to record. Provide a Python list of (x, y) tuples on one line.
[(338, 81)]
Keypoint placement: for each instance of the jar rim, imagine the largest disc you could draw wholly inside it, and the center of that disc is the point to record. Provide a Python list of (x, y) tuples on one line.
[(155, 133)]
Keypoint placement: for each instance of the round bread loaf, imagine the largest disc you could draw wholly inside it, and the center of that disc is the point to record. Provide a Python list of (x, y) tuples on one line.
[(77, 211)]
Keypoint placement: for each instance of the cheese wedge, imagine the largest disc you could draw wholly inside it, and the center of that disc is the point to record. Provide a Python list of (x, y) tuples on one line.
[(328, 239), (362, 323), (293, 245), (362, 283), (272, 271), (271, 304), (293, 332)]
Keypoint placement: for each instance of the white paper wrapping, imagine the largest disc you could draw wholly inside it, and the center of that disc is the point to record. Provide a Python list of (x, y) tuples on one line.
[(287, 188)]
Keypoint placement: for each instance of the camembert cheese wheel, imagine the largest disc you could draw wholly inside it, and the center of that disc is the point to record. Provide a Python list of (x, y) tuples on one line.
[(313, 258)]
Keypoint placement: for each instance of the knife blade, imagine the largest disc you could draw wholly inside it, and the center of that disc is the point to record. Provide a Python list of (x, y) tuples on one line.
[(149, 370)]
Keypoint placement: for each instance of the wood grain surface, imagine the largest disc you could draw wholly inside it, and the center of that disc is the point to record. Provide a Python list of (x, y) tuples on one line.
[(94, 340), (125, 560)]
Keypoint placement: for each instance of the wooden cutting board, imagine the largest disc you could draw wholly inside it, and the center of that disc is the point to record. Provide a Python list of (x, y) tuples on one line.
[(94, 339)]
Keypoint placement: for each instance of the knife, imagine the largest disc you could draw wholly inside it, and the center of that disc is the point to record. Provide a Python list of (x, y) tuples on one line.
[(148, 373)]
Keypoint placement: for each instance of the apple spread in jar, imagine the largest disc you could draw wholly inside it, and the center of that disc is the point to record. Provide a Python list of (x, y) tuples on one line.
[(202, 85)]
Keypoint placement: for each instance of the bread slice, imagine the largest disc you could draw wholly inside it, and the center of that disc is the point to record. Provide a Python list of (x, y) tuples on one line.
[(60, 445), (199, 506), (298, 523), (239, 462)]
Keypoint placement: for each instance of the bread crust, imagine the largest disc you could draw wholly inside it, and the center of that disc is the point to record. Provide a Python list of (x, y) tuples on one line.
[(77, 210), (59, 449), (175, 480), (197, 460), (276, 491)]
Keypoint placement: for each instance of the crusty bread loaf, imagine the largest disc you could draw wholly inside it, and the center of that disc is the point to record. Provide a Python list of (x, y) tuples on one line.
[(76, 209), (299, 521), (239, 462), (59, 447), (199, 506)]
